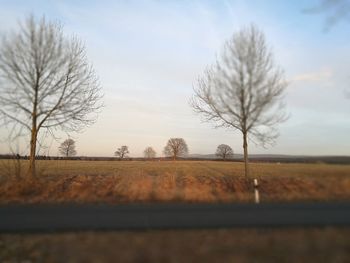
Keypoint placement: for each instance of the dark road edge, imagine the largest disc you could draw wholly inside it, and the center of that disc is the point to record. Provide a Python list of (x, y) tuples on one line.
[(51, 218)]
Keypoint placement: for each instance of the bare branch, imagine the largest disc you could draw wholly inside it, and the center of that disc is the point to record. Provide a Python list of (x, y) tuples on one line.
[(336, 10)]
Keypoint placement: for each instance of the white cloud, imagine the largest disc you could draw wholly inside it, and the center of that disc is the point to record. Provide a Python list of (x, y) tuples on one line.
[(322, 75)]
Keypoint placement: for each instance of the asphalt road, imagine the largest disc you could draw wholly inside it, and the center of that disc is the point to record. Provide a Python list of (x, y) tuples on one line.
[(47, 218)]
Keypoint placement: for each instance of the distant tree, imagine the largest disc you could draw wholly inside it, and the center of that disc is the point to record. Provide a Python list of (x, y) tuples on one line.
[(149, 153), (243, 90), (47, 83), (176, 147), (224, 151), (122, 152), (67, 148)]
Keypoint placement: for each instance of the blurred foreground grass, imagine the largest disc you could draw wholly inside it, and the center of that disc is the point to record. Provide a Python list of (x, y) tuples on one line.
[(221, 245), (168, 181)]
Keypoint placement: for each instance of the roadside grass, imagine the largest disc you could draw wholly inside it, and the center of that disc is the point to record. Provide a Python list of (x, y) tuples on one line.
[(168, 181), (213, 245)]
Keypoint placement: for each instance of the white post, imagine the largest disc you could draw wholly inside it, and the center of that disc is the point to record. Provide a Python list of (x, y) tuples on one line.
[(256, 191)]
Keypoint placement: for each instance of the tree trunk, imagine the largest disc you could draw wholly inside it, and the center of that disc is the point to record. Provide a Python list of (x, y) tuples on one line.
[(34, 131), (32, 170), (245, 148)]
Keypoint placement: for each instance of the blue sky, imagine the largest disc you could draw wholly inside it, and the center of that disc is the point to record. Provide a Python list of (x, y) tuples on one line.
[(149, 53)]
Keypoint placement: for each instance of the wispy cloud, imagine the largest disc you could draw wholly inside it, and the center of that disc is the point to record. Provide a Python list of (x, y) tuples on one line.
[(324, 74)]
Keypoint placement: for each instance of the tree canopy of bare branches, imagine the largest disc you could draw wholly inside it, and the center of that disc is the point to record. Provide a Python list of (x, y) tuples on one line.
[(67, 148), (243, 90), (122, 152), (149, 153), (46, 82), (176, 147), (224, 151)]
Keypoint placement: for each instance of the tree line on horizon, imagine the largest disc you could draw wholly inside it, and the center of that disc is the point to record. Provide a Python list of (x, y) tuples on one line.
[(175, 148)]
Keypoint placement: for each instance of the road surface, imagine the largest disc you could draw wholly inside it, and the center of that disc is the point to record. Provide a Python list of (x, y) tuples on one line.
[(47, 218)]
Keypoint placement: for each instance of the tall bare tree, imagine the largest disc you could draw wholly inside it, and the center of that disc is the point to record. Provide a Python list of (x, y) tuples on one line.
[(176, 147), (67, 148), (243, 90), (149, 153), (46, 82), (122, 152), (224, 151)]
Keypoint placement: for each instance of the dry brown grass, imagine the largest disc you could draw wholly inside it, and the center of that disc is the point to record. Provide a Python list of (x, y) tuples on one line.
[(180, 181), (216, 245)]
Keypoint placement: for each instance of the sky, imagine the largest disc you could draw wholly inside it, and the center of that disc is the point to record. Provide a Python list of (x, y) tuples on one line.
[(148, 54)]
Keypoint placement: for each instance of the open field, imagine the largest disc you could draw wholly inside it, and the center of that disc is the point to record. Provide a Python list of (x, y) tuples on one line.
[(168, 181), (215, 245)]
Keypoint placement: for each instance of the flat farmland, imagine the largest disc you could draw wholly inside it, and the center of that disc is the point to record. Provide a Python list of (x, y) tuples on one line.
[(61, 181), (181, 181)]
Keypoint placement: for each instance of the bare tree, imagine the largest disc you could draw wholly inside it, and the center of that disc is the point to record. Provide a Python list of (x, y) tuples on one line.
[(224, 151), (176, 147), (122, 152), (46, 82), (149, 153), (67, 148), (243, 90)]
